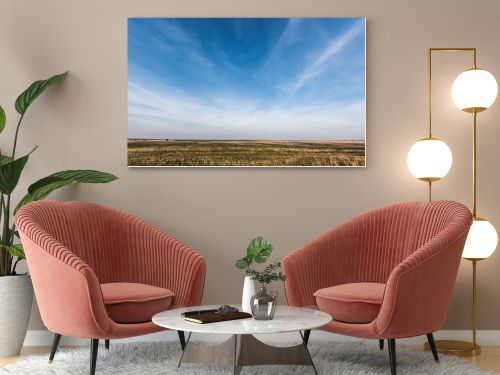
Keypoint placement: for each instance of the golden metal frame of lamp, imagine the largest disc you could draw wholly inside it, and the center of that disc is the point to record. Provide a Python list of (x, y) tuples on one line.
[(429, 178), (455, 347)]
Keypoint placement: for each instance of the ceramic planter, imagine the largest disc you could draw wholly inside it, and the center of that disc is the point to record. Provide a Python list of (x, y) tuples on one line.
[(16, 298), (248, 292)]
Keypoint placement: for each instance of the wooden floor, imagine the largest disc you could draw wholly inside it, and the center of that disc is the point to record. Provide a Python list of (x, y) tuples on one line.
[(488, 360), (26, 352)]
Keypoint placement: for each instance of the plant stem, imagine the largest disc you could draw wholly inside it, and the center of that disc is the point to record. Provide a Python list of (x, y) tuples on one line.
[(3, 252), (12, 234), (5, 234), (15, 137), (13, 271)]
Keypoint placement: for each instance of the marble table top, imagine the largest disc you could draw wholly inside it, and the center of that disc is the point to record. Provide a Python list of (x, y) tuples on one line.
[(286, 319)]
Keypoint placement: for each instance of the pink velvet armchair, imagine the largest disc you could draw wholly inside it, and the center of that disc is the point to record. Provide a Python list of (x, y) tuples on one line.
[(385, 274), (99, 273)]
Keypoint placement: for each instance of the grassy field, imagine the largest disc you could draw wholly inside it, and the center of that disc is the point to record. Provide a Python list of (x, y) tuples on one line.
[(245, 153)]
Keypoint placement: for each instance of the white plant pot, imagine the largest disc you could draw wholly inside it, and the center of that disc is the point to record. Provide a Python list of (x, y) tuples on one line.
[(16, 298), (248, 292)]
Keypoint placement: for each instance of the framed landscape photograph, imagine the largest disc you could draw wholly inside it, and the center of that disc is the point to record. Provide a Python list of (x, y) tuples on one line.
[(247, 92)]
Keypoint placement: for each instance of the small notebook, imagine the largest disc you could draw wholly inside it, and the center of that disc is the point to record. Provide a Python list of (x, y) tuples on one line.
[(210, 316)]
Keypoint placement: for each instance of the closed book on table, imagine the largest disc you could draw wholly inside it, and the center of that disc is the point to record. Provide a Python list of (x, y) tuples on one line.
[(212, 317)]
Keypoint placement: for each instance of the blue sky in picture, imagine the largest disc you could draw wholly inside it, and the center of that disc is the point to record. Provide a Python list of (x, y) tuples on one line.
[(243, 78)]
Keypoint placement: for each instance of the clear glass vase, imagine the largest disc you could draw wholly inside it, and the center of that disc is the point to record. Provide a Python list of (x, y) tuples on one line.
[(263, 304)]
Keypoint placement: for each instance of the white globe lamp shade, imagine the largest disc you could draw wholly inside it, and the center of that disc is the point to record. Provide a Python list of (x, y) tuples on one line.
[(481, 241), (429, 159), (474, 90)]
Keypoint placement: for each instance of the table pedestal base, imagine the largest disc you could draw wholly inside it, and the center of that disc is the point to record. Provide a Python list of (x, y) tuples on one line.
[(246, 350)]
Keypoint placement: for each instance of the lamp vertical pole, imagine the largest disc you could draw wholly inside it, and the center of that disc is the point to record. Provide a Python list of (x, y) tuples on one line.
[(474, 215), (429, 105), (429, 89), (474, 310), (474, 167), (475, 349)]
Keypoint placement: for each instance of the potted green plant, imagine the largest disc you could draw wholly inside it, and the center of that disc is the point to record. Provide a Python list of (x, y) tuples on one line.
[(16, 291), (258, 251)]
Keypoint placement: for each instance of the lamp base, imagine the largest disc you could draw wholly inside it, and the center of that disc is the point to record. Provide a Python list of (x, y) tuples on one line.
[(456, 348)]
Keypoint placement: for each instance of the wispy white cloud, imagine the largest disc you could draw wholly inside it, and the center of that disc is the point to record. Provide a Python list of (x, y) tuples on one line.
[(320, 62), (156, 114), (169, 30), (288, 36)]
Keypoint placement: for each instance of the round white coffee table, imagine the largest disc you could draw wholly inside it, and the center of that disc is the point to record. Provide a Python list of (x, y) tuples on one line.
[(242, 348)]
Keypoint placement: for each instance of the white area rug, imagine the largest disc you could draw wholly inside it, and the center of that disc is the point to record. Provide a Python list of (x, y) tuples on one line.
[(162, 358)]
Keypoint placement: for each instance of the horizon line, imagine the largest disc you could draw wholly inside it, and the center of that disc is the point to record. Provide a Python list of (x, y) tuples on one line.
[(248, 140)]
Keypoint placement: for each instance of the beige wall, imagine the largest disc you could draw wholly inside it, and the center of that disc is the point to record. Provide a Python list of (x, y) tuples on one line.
[(83, 124)]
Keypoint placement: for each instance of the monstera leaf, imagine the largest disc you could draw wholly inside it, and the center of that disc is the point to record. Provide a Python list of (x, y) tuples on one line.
[(31, 93), (43, 187), (258, 250), (242, 263)]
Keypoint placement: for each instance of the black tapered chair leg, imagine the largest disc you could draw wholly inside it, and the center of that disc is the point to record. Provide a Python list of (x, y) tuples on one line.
[(392, 355), (432, 344), (307, 333), (182, 339), (381, 344), (106, 344), (94, 346), (55, 344)]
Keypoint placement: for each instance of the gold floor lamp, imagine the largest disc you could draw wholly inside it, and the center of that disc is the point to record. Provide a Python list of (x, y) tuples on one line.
[(430, 159)]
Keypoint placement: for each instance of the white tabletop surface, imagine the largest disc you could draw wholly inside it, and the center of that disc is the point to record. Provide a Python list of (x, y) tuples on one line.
[(286, 319)]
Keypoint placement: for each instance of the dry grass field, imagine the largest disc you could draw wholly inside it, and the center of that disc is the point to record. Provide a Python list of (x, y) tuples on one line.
[(245, 153)]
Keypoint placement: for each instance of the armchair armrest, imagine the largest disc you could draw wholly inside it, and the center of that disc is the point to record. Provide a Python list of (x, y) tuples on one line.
[(68, 292), (419, 289)]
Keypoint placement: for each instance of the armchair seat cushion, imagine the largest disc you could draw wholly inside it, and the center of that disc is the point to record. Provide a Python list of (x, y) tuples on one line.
[(351, 303), (135, 303)]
